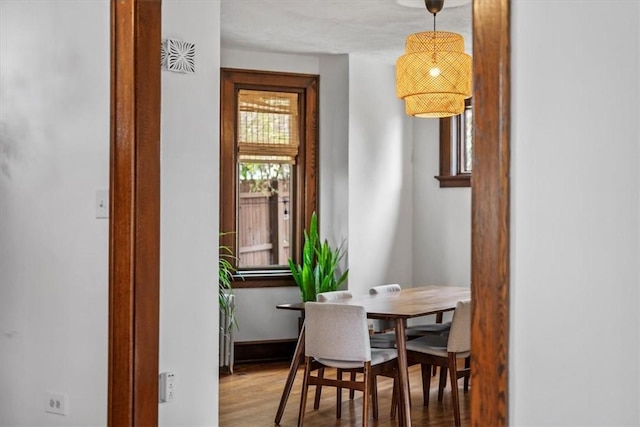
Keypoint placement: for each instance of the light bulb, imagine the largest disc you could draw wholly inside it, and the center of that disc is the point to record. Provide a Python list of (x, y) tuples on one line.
[(434, 72)]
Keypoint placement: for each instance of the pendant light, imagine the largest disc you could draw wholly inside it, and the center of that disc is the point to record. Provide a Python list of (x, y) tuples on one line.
[(434, 75)]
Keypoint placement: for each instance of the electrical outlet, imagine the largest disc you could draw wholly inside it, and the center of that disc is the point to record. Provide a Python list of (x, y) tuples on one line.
[(167, 386), (56, 403)]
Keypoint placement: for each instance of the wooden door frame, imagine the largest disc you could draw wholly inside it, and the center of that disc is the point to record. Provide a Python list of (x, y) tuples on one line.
[(134, 231), (490, 207), (134, 217)]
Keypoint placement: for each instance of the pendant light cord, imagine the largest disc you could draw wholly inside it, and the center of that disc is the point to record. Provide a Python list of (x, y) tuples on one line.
[(434, 38)]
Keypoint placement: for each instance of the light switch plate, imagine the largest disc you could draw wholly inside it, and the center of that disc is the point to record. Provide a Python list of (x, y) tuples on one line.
[(102, 203)]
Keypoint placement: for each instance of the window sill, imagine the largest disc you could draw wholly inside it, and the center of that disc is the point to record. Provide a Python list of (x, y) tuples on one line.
[(247, 281), (450, 181)]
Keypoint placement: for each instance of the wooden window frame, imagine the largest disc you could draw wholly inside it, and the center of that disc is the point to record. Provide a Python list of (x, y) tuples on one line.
[(450, 176), (305, 172)]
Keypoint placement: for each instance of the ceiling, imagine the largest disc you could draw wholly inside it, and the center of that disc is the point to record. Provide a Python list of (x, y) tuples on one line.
[(372, 28)]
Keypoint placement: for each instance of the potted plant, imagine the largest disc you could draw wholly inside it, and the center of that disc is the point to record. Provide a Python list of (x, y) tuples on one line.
[(318, 271), (226, 301), (225, 277)]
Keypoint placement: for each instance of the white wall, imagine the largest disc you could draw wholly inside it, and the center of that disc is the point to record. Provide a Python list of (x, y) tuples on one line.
[(54, 155), (575, 214), (442, 216), (268, 61), (334, 149), (189, 217), (380, 179)]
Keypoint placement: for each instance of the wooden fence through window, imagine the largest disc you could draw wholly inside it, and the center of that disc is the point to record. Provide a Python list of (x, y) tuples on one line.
[(263, 224)]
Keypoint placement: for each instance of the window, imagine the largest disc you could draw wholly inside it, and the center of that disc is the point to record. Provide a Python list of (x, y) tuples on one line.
[(456, 149), (268, 170)]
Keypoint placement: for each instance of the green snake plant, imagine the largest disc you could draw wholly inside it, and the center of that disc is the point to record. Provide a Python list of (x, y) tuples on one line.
[(318, 270)]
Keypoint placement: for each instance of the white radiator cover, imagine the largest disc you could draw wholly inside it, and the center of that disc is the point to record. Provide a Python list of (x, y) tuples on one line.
[(226, 337)]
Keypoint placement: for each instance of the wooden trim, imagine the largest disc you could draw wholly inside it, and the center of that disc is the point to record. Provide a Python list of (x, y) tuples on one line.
[(449, 181), (306, 196), (445, 146), (263, 282), (450, 178), (490, 213), (134, 220), (260, 351)]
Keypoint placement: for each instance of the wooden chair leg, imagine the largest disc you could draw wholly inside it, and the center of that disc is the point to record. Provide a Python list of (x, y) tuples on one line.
[(316, 401), (339, 396), (395, 403), (439, 318), (467, 365), (305, 388), (453, 373), (394, 399), (352, 392), (443, 382), (366, 394), (426, 383), (401, 416), (409, 385), (374, 396)]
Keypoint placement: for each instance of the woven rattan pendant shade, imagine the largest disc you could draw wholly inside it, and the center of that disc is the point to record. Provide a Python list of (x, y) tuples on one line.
[(434, 75)]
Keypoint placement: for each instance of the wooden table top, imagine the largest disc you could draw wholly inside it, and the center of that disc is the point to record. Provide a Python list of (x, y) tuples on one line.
[(410, 302)]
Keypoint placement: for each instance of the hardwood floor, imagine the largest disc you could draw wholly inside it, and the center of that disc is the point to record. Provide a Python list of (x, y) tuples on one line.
[(250, 398)]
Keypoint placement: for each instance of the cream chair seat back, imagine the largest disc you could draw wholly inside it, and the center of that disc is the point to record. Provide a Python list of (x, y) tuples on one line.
[(333, 296), (376, 341), (443, 351), (460, 334), (385, 289), (337, 336)]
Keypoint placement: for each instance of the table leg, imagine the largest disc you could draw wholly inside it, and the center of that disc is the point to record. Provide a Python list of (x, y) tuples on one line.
[(293, 369), (403, 374)]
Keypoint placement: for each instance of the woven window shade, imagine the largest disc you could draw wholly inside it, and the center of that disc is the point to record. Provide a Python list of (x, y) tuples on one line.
[(434, 74), (267, 126)]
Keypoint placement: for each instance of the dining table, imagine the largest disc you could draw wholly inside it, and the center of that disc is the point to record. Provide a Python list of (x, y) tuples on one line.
[(398, 307)]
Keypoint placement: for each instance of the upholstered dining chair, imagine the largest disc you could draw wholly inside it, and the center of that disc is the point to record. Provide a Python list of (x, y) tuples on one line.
[(337, 336), (444, 351), (328, 297), (374, 342)]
